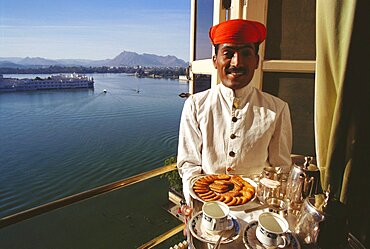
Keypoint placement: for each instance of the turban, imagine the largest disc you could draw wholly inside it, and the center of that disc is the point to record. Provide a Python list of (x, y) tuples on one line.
[(238, 31)]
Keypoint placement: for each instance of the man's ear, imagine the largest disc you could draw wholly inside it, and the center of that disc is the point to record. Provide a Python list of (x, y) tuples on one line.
[(257, 61), (214, 60)]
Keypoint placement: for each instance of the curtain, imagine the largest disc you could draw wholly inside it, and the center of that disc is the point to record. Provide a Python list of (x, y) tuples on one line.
[(342, 105)]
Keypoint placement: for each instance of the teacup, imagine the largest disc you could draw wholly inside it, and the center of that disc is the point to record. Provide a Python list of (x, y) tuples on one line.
[(215, 217), (272, 229)]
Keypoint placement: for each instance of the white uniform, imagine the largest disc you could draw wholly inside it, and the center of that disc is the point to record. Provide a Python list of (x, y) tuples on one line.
[(233, 132)]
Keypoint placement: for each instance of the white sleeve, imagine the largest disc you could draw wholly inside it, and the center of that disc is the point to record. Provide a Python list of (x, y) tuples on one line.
[(281, 142), (189, 159)]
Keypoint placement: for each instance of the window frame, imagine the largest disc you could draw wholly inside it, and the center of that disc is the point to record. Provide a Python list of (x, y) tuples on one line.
[(246, 9)]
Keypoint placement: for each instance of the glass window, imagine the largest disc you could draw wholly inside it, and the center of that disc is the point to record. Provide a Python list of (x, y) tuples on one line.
[(203, 21), (291, 30), (202, 82), (298, 91)]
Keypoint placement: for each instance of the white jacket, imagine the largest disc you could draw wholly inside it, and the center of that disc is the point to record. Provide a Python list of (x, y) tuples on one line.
[(233, 132)]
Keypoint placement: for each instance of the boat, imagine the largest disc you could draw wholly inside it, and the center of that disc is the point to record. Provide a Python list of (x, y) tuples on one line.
[(184, 95), (183, 78), (61, 81)]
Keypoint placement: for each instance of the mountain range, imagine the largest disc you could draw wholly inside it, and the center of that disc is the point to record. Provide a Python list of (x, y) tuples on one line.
[(125, 58)]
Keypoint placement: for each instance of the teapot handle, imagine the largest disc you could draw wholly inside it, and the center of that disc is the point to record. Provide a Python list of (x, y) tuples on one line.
[(308, 186), (301, 187), (307, 162)]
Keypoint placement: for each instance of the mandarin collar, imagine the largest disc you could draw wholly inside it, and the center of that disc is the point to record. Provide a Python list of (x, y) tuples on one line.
[(239, 93)]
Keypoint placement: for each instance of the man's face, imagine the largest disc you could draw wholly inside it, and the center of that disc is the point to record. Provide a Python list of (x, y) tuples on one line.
[(236, 63)]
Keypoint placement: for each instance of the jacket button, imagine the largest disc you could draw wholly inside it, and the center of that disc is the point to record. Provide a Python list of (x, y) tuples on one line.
[(232, 153), (232, 136), (234, 119)]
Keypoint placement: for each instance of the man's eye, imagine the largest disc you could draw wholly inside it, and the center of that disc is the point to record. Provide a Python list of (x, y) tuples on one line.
[(228, 54), (246, 53)]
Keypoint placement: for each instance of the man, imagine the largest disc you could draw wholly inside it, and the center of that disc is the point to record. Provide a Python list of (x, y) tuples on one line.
[(233, 128)]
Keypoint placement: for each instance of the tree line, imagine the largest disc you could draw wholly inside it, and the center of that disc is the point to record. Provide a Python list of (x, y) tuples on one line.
[(160, 72)]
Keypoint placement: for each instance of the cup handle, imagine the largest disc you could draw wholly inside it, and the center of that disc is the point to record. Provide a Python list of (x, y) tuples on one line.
[(284, 239), (213, 224)]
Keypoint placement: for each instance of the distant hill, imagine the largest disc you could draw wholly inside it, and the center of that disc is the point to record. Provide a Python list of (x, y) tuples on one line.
[(11, 59), (133, 59), (8, 64), (38, 61), (84, 63), (125, 58)]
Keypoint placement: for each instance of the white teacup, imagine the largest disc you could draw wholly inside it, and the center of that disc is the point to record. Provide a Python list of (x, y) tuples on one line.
[(271, 230), (215, 217)]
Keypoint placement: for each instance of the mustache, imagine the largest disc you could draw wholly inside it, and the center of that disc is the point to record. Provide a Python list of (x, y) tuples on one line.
[(235, 70)]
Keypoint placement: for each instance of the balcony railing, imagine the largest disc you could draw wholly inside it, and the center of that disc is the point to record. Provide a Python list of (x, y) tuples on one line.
[(78, 198)]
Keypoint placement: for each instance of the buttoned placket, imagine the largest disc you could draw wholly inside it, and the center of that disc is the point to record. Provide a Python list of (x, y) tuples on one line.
[(232, 150)]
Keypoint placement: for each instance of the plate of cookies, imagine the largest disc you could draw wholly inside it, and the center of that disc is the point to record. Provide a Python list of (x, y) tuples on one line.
[(234, 190)]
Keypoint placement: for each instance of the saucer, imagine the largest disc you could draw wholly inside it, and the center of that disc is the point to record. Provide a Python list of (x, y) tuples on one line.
[(198, 232), (251, 242)]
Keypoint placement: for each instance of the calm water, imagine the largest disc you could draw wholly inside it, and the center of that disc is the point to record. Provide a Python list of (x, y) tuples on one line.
[(57, 143)]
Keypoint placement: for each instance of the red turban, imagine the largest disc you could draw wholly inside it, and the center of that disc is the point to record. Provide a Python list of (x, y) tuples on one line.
[(238, 31)]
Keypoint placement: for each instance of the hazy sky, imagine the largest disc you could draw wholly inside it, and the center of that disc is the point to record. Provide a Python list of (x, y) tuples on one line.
[(93, 29)]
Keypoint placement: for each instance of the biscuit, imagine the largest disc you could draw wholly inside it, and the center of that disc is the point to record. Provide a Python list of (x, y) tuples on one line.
[(237, 181), (200, 191), (218, 186), (209, 197), (227, 199), (206, 193), (200, 183), (223, 177), (232, 202)]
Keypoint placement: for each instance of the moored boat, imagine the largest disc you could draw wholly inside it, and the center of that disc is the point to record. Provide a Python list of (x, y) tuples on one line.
[(71, 81)]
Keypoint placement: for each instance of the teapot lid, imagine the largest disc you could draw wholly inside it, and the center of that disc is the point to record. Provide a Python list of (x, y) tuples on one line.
[(308, 166), (317, 203), (327, 204), (307, 161)]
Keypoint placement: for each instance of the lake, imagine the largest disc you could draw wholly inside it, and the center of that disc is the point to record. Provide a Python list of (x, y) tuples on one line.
[(55, 143)]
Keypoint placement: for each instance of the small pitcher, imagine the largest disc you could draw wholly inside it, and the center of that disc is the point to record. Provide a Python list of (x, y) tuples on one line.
[(303, 181), (269, 185)]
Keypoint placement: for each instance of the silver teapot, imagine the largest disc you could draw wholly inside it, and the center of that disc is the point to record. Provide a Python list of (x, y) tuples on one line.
[(322, 221), (303, 181), (307, 227)]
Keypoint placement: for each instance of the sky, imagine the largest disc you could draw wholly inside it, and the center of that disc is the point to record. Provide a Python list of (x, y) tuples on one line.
[(94, 29)]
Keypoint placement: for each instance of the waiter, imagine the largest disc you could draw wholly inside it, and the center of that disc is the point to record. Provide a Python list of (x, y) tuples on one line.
[(233, 128)]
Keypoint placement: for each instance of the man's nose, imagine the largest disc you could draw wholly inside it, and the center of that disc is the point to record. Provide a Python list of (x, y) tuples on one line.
[(235, 60)]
